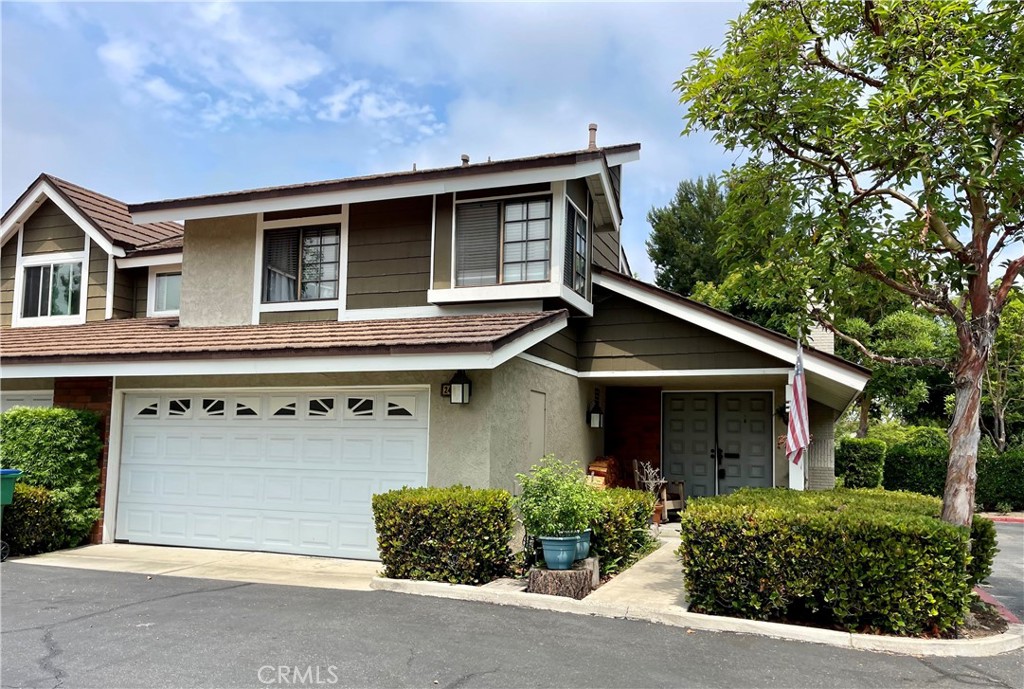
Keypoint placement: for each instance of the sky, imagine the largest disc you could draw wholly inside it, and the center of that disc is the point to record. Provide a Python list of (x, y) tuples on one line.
[(146, 101)]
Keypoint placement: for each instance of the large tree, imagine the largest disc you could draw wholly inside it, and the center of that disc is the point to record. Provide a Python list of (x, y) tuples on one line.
[(893, 130)]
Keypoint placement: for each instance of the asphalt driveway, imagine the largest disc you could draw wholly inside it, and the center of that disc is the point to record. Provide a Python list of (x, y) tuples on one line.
[(78, 628), (1006, 583)]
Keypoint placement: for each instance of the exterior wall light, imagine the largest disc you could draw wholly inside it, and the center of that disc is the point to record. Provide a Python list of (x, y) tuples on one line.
[(595, 417), (461, 388)]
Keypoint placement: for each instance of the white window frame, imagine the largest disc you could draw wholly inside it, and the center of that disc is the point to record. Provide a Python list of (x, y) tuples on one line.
[(586, 258), (154, 271), (339, 219), (53, 258)]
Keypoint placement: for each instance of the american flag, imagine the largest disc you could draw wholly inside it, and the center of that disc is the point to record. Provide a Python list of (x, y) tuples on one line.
[(798, 436)]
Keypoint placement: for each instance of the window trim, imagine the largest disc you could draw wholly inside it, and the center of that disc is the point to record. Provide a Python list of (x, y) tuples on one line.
[(339, 219), (549, 196), (154, 271), (51, 258), (586, 257)]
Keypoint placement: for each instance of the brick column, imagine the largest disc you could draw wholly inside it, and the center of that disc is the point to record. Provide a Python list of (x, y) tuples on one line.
[(95, 395)]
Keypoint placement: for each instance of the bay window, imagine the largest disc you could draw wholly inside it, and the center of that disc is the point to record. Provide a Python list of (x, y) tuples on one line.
[(502, 242), (301, 264)]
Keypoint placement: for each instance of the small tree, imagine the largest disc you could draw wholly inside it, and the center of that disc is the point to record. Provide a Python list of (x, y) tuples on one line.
[(893, 133)]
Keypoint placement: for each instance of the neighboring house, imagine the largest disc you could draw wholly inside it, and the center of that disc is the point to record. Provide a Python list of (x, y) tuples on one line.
[(304, 347)]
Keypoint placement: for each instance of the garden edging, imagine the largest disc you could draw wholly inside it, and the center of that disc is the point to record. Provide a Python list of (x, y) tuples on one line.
[(676, 616)]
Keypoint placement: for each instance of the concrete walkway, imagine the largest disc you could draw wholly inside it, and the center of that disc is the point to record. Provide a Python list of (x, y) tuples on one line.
[(224, 565), (654, 583)]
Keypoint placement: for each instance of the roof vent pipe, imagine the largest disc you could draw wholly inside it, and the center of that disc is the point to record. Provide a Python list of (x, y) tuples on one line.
[(593, 136), (465, 160)]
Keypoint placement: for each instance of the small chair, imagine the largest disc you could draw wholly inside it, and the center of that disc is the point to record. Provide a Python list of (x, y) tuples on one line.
[(674, 496)]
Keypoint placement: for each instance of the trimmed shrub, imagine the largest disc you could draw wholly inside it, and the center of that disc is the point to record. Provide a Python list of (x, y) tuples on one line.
[(32, 522), (859, 462), (1001, 480), (59, 450), (858, 559), (459, 535), (983, 549), (920, 468), (621, 531)]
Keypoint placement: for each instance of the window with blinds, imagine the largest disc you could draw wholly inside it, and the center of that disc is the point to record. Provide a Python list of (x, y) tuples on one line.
[(502, 242), (301, 264)]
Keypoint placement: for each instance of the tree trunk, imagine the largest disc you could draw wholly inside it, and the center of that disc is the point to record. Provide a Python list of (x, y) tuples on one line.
[(964, 434), (865, 414)]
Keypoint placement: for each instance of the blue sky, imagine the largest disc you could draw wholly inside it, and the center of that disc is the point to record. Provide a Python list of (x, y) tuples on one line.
[(144, 101)]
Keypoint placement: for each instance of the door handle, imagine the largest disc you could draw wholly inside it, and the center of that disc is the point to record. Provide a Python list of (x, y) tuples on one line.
[(732, 455), (721, 473)]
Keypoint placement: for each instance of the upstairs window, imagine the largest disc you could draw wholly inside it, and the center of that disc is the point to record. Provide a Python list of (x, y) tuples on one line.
[(500, 242), (301, 264), (167, 296), (575, 272), (52, 289)]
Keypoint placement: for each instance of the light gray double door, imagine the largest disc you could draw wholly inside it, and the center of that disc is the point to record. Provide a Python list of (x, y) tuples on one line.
[(717, 442)]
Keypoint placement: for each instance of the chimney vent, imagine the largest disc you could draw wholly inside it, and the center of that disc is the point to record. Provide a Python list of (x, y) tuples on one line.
[(414, 167), (465, 160), (593, 136)]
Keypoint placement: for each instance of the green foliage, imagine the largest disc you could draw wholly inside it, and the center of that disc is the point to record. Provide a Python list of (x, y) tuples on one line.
[(684, 236), (57, 449), (32, 522), (1003, 393), (983, 549), (458, 535), (555, 498), (859, 559), (859, 462), (621, 530), (916, 466), (1001, 480)]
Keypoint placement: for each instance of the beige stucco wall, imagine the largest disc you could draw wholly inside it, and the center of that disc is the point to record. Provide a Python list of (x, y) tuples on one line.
[(217, 271), (18, 384)]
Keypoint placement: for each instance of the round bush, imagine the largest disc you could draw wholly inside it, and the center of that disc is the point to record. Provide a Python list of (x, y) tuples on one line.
[(33, 522), (859, 462)]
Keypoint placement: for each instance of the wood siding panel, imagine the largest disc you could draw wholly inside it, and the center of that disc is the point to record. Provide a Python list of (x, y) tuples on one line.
[(606, 250), (577, 191), (559, 349), (299, 316), (49, 230), (140, 293), (124, 292), (389, 253), (8, 266), (624, 335), (443, 219), (96, 289)]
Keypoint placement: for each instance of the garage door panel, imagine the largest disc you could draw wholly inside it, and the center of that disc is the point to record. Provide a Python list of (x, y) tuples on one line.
[(221, 470)]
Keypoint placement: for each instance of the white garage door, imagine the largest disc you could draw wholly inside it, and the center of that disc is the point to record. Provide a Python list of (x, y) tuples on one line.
[(289, 472), (41, 398)]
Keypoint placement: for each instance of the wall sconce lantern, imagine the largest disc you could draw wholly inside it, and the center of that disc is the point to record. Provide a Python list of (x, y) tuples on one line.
[(461, 388), (595, 417)]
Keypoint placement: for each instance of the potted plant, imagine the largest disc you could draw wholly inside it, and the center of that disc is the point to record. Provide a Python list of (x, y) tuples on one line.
[(556, 506), (651, 480)]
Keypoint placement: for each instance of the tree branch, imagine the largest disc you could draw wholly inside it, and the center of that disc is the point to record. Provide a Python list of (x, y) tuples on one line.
[(862, 348), (827, 62), (1012, 271)]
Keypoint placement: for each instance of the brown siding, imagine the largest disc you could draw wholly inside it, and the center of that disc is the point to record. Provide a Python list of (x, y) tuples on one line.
[(606, 250), (124, 292), (8, 265), (541, 188), (140, 294), (625, 335), (443, 241), (49, 230), (560, 348), (577, 191), (389, 253), (299, 316), (96, 289)]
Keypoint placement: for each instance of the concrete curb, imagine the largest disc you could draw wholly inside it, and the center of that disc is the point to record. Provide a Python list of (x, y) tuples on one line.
[(1003, 611), (675, 616)]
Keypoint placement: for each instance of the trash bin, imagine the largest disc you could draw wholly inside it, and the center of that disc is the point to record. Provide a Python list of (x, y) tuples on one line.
[(8, 477)]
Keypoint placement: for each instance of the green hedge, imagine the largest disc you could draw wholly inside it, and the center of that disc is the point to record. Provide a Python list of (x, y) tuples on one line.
[(983, 549), (458, 535), (59, 450), (859, 462), (32, 522), (920, 468), (859, 559), (621, 532), (1001, 480)]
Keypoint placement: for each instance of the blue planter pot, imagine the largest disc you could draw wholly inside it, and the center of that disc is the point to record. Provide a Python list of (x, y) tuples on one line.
[(583, 546), (559, 551)]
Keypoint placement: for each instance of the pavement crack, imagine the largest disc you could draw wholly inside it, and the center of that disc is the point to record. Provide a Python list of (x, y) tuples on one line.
[(971, 674), (107, 611), (48, 663), (462, 680)]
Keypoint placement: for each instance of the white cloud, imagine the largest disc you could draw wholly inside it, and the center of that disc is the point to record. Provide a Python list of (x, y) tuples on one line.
[(125, 60), (395, 118), (162, 91)]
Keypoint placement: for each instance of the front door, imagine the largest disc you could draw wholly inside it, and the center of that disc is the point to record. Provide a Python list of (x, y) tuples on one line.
[(718, 442)]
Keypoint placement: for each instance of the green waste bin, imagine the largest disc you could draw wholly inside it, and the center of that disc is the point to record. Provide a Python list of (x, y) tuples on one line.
[(8, 477)]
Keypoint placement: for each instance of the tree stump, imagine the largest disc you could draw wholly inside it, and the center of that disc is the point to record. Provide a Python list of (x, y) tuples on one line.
[(571, 583)]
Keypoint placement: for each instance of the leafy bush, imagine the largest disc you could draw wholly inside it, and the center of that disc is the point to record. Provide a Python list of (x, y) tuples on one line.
[(555, 498), (853, 558), (459, 535), (859, 462), (32, 522), (621, 530), (893, 433), (1001, 480), (59, 450), (920, 468), (983, 549)]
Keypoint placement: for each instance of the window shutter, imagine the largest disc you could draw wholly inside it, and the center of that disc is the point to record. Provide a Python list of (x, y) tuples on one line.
[(476, 244), (281, 265)]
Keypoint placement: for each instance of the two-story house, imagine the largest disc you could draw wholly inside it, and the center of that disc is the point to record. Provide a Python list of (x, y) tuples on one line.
[(287, 352)]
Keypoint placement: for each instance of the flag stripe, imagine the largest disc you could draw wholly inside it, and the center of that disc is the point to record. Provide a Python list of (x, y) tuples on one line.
[(798, 435)]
